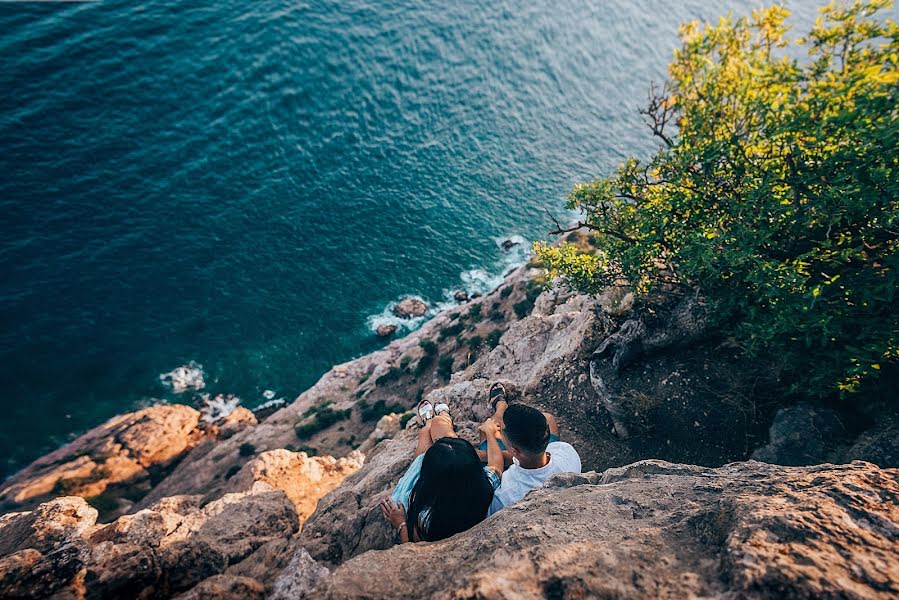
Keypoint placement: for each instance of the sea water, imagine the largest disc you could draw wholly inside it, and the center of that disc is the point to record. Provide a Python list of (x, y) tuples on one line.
[(204, 201)]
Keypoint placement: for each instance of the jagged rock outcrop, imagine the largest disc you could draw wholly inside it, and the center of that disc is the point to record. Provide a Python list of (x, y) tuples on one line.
[(655, 529), (230, 546), (119, 457)]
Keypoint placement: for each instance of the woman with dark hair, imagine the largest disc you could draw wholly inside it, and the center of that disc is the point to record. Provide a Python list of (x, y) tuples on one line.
[(447, 488)]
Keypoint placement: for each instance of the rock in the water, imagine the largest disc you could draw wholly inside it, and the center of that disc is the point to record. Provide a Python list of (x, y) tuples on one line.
[(661, 530), (409, 308), (508, 244), (461, 296), (385, 330)]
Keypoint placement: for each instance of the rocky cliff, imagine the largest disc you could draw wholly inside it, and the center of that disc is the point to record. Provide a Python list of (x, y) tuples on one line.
[(158, 504)]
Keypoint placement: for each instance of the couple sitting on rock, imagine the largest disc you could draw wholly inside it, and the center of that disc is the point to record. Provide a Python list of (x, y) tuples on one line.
[(451, 485)]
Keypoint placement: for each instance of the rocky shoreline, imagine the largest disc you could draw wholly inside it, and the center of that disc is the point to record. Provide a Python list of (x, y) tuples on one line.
[(158, 504)]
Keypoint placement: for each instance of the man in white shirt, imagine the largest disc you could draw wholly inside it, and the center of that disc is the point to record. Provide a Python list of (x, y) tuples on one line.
[(532, 439)]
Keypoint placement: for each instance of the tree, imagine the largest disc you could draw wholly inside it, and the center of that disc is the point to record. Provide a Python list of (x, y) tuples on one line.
[(773, 193)]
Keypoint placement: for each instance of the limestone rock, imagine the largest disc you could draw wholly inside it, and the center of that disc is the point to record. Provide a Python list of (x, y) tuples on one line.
[(48, 526), (655, 529), (123, 451), (225, 587), (299, 578), (387, 427), (302, 478), (410, 307), (385, 330)]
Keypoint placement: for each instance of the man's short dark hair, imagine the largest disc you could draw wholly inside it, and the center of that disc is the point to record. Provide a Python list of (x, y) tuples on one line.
[(526, 428)]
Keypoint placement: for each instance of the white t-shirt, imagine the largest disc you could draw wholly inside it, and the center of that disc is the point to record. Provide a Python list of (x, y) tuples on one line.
[(517, 482)]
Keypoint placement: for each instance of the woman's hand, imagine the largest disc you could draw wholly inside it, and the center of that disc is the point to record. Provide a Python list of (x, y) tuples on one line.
[(489, 428), (395, 513)]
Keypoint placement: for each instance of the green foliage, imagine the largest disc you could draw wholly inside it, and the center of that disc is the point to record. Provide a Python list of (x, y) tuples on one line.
[(451, 331), (247, 449), (505, 292), (523, 308), (379, 408), (445, 366), (232, 471), (405, 419), (429, 346), (777, 196), (423, 363), (391, 375), (314, 409), (323, 419), (492, 339), (475, 341), (474, 313)]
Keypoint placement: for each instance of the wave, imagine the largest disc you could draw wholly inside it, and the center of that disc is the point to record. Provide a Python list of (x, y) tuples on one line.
[(515, 251), (186, 378)]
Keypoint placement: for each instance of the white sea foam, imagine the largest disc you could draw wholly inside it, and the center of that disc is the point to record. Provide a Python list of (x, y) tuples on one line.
[(186, 378), (268, 394), (274, 402), (215, 408), (473, 281)]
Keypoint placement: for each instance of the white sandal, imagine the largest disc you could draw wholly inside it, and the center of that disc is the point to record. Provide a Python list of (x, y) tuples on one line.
[(425, 411)]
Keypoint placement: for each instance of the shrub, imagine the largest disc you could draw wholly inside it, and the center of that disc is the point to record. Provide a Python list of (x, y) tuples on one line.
[(232, 471), (247, 449), (404, 419), (450, 331), (445, 366), (523, 308), (777, 196), (314, 409), (323, 419), (492, 339), (475, 341), (423, 364), (428, 346), (505, 292), (390, 376), (379, 408), (474, 313)]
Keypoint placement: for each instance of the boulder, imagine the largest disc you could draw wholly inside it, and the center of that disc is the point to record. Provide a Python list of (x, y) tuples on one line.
[(509, 243), (656, 529), (48, 527), (410, 307), (299, 578), (385, 330), (304, 479), (225, 587), (801, 435), (460, 296)]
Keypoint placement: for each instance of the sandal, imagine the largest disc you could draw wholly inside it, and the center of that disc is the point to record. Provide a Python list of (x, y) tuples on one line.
[(425, 411), (442, 408), (497, 392)]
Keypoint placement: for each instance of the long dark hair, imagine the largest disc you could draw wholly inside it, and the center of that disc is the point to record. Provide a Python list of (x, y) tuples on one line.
[(452, 487)]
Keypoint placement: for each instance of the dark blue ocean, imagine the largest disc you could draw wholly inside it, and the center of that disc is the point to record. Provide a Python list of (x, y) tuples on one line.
[(247, 185)]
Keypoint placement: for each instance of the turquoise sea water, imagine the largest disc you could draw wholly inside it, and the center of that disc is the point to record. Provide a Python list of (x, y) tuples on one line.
[(248, 185)]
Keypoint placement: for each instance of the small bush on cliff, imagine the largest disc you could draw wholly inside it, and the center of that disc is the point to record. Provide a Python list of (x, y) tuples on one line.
[(247, 449), (445, 366), (429, 347), (777, 196), (323, 419), (379, 408)]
